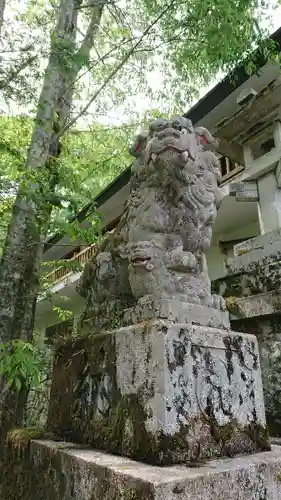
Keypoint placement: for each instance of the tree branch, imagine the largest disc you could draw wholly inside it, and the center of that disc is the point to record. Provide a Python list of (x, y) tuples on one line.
[(15, 73), (96, 3), (82, 55), (115, 71), (102, 58), (26, 48)]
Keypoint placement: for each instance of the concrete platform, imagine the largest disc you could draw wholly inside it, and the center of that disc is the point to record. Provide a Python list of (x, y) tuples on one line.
[(63, 471)]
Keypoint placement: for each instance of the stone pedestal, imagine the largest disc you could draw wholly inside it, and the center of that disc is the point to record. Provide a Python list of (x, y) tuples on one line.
[(171, 383), (166, 393), (176, 311), (63, 471)]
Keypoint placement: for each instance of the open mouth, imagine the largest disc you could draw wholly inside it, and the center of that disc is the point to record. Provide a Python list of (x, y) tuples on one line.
[(168, 143), (168, 133), (154, 156), (140, 261)]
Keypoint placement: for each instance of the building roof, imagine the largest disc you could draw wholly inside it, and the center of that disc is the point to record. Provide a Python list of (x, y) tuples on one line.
[(204, 106), (226, 86)]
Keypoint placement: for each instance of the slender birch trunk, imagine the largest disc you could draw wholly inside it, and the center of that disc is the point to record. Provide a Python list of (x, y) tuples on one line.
[(19, 269), (2, 12)]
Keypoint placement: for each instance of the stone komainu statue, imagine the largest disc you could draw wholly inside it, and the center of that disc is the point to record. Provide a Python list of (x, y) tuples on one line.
[(158, 249)]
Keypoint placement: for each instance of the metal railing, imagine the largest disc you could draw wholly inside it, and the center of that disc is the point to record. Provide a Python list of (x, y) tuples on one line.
[(63, 272)]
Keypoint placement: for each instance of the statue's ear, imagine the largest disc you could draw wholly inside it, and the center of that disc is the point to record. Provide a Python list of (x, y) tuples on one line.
[(134, 149), (205, 138)]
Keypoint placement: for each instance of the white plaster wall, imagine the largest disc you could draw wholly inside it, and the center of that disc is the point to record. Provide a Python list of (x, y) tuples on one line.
[(270, 203), (215, 261), (46, 316)]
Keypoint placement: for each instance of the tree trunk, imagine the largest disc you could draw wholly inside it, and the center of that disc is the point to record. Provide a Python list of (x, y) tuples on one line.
[(23, 247), (2, 12)]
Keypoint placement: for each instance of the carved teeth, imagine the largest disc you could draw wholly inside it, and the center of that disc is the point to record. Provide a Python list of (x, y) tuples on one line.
[(139, 261)]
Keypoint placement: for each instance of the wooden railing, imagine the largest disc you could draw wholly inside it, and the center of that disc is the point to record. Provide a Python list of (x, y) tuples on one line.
[(62, 272), (229, 168)]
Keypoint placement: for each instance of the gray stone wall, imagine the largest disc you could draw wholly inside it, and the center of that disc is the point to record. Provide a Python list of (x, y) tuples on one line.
[(252, 289), (268, 331)]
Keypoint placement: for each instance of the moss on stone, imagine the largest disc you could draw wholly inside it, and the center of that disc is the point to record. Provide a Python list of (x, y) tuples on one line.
[(267, 329), (136, 494), (233, 438), (20, 438), (257, 277), (232, 304), (124, 432), (17, 471), (47, 473), (120, 426), (260, 436), (126, 415)]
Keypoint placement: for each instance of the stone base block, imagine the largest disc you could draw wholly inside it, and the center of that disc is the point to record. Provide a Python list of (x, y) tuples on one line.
[(164, 393), (256, 249), (253, 306), (268, 329), (62, 471), (176, 311)]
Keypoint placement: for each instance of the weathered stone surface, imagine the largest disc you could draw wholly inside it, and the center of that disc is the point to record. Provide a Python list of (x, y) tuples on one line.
[(253, 306), (158, 376), (256, 249), (254, 270), (252, 289), (157, 252), (250, 117), (61, 471), (165, 393), (268, 331), (176, 311)]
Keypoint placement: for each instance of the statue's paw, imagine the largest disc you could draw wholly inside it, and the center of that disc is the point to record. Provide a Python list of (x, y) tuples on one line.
[(189, 260), (182, 260), (193, 299), (104, 266)]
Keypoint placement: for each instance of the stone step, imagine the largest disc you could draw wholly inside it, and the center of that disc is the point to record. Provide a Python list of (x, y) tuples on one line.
[(63, 471)]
